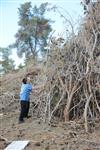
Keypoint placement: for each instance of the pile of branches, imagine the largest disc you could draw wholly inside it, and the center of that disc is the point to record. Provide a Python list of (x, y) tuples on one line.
[(71, 73)]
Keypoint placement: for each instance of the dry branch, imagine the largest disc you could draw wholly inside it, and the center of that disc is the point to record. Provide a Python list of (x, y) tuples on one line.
[(86, 112)]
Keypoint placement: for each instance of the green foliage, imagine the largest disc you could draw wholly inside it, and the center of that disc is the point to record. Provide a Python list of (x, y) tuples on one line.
[(7, 63), (34, 30)]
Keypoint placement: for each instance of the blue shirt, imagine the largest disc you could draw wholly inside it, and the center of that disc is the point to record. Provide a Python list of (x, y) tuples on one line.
[(25, 92)]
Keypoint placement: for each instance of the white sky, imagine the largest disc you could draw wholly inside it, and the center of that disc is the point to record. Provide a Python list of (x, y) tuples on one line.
[(9, 18)]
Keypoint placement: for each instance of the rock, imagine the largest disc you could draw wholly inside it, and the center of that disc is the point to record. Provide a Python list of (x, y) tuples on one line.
[(47, 147), (53, 125), (37, 144), (62, 148)]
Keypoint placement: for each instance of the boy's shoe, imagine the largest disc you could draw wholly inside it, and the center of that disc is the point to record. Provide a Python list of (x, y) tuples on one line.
[(21, 121), (28, 117)]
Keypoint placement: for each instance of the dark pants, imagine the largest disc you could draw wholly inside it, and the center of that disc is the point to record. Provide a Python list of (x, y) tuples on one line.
[(25, 105)]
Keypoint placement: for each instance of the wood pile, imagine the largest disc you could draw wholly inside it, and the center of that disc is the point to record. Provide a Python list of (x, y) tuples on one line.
[(71, 74)]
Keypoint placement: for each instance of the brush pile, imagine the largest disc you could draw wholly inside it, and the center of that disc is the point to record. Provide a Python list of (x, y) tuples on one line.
[(71, 74)]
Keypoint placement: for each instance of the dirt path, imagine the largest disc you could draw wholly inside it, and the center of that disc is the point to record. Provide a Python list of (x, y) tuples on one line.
[(61, 136)]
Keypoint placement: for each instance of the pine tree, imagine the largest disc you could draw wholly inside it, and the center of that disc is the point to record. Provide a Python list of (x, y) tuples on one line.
[(34, 30), (7, 64)]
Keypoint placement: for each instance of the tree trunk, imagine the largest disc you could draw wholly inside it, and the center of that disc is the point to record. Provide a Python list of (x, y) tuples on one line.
[(85, 113), (67, 108)]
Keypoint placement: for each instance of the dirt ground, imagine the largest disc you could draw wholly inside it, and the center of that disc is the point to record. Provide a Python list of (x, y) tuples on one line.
[(57, 136)]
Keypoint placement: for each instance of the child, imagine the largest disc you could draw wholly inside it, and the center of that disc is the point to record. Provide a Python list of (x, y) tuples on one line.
[(26, 89)]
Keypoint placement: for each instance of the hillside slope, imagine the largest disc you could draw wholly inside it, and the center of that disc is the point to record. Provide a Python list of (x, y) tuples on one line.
[(42, 136)]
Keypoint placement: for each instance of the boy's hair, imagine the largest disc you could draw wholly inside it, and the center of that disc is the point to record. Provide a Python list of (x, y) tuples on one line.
[(24, 80)]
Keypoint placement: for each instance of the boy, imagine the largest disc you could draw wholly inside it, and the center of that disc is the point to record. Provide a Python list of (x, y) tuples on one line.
[(26, 89)]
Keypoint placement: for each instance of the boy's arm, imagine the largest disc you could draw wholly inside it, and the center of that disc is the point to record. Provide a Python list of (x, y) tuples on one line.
[(37, 87)]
